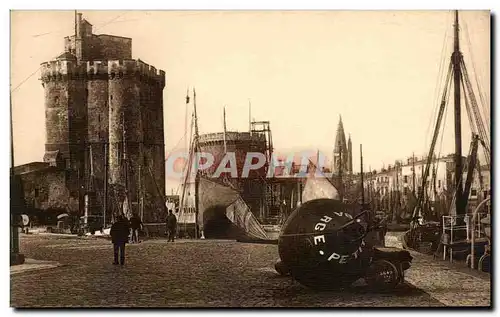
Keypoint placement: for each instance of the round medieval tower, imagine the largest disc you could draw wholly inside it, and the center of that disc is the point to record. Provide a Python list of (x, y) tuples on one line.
[(66, 118), (104, 117)]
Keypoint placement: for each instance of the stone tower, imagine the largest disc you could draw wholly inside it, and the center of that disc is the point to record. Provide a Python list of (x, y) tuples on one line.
[(340, 152), (104, 116)]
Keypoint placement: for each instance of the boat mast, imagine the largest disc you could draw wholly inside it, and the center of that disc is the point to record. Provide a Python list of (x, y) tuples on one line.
[(361, 172), (197, 177), (456, 59), (249, 117), (224, 119), (413, 175), (186, 168), (105, 201)]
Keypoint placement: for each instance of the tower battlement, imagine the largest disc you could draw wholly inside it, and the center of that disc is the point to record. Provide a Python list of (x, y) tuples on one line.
[(63, 69), (131, 68), (59, 69)]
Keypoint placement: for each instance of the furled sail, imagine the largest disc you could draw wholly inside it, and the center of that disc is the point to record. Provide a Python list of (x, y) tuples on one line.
[(237, 211), (127, 211), (318, 186), (213, 194), (239, 214)]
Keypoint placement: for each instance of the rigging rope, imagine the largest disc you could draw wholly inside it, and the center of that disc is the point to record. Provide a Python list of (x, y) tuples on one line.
[(40, 67), (439, 85), (189, 153), (444, 101), (442, 137), (483, 135), (478, 83), (176, 146), (472, 123)]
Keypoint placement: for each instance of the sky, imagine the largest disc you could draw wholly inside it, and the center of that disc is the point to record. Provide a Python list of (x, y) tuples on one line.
[(301, 70)]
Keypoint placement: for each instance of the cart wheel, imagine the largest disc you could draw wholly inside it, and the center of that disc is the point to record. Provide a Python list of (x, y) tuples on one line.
[(484, 263), (468, 260), (383, 274)]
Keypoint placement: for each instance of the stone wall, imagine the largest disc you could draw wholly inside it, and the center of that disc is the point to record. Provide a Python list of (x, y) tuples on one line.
[(46, 189)]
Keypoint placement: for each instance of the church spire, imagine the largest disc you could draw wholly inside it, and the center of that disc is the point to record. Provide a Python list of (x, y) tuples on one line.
[(340, 153)]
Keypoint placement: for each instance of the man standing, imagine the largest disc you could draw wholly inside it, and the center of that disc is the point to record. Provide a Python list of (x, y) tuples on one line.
[(171, 226), (119, 236), (135, 225)]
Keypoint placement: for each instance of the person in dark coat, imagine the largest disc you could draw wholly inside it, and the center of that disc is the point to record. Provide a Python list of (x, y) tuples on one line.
[(135, 225), (171, 225), (119, 236)]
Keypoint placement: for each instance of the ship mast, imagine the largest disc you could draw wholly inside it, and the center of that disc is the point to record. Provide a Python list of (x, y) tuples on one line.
[(361, 173), (197, 177), (186, 168), (456, 60), (224, 119), (249, 117)]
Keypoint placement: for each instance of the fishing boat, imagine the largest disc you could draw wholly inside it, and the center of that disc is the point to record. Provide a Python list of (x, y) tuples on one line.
[(452, 235)]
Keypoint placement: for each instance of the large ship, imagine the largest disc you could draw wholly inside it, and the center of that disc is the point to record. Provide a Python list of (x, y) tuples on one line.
[(233, 203)]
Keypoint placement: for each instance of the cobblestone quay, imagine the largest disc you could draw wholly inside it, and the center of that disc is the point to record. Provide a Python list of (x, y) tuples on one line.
[(187, 273)]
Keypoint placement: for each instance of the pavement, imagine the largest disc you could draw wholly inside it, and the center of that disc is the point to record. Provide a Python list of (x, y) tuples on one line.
[(78, 272), (453, 284), (32, 265)]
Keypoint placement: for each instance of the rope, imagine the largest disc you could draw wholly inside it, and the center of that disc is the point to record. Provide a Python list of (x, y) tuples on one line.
[(483, 135), (439, 82), (481, 97), (40, 67), (176, 146), (442, 137)]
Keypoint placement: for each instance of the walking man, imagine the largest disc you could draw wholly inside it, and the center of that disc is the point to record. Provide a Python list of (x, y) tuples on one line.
[(119, 236), (135, 225), (171, 226)]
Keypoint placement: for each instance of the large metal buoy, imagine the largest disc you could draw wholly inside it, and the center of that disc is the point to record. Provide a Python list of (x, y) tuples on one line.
[(322, 244)]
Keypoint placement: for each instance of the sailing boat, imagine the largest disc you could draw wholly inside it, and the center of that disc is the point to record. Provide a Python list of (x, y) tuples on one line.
[(215, 201), (422, 232)]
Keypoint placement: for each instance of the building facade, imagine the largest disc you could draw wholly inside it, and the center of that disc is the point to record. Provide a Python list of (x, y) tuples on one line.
[(406, 178)]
